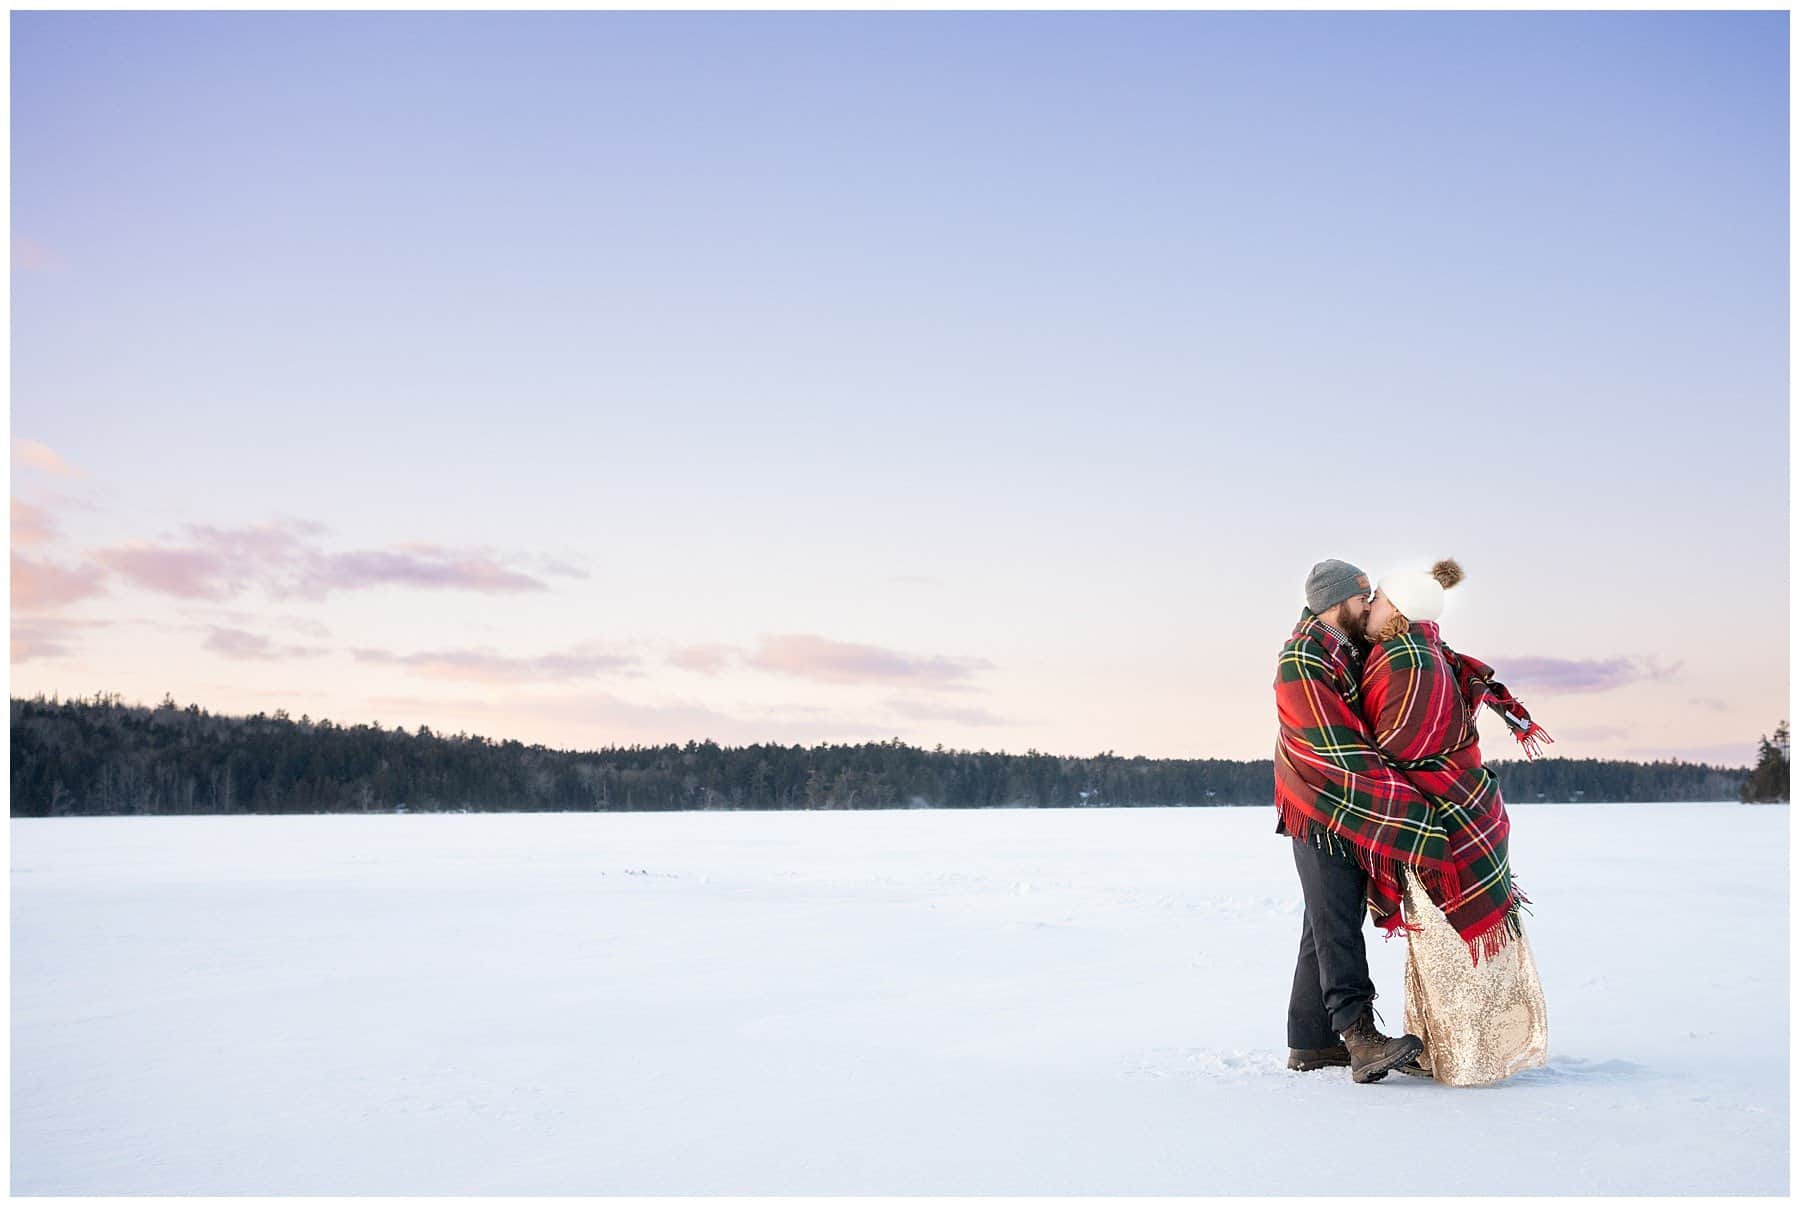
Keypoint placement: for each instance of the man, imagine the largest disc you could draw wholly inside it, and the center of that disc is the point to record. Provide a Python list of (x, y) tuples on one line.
[(1353, 820)]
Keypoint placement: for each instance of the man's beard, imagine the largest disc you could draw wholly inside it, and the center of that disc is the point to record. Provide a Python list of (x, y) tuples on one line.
[(1356, 628)]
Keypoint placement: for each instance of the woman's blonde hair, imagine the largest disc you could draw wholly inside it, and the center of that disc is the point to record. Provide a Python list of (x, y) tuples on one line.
[(1396, 625)]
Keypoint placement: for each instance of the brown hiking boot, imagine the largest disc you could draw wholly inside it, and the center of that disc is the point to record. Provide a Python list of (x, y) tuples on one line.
[(1372, 1054), (1304, 1060)]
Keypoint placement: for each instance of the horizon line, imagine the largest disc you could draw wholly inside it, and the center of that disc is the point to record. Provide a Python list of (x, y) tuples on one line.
[(116, 699)]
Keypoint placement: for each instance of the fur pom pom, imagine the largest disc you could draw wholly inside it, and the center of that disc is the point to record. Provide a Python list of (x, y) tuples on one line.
[(1448, 573)]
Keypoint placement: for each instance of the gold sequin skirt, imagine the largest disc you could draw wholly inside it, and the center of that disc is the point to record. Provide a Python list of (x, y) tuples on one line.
[(1481, 1023)]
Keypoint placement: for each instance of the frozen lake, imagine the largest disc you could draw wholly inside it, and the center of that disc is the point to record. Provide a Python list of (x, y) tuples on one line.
[(996, 1002)]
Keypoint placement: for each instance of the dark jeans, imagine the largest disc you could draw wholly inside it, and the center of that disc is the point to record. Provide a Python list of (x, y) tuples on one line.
[(1331, 979)]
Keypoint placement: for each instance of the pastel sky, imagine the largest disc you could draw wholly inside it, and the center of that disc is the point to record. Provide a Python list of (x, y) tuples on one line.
[(986, 379)]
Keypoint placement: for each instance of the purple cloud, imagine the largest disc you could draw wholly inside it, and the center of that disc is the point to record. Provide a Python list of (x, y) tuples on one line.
[(252, 647), (435, 570), (1572, 675), (283, 559), (232, 618), (558, 566)]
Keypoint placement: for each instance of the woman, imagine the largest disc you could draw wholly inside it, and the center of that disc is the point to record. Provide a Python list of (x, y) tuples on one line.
[(1472, 989)]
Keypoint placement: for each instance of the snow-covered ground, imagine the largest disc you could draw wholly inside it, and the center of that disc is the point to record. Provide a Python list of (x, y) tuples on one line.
[(988, 1002)]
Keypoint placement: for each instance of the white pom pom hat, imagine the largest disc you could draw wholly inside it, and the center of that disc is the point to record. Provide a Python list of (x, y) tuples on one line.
[(1419, 594)]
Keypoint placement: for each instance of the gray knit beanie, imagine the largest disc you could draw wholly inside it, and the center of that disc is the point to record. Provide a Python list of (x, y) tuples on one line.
[(1331, 582)]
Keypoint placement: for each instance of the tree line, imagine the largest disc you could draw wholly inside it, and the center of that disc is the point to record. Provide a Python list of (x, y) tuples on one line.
[(1768, 779), (101, 756)]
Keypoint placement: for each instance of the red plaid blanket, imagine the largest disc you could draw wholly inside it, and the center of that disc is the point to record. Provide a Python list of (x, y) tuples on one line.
[(1332, 785), (1422, 699)]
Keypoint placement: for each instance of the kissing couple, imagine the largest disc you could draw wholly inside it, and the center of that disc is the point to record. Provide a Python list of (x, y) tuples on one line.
[(1380, 784)]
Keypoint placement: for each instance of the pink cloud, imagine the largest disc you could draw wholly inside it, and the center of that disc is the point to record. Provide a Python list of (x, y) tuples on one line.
[(187, 573), (489, 666), (1572, 675), (31, 525), (46, 636), (42, 457), (823, 660), (276, 541), (42, 586), (704, 659)]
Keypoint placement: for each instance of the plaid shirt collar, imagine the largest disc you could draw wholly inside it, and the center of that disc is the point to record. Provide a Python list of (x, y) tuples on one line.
[(1337, 643)]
